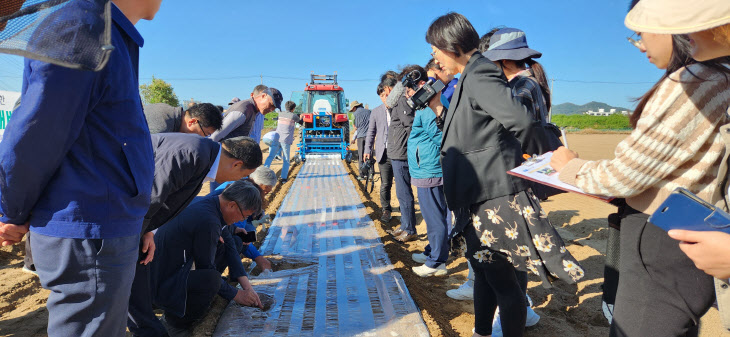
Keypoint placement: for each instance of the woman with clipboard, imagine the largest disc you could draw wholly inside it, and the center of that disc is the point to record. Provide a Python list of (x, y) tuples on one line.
[(675, 142)]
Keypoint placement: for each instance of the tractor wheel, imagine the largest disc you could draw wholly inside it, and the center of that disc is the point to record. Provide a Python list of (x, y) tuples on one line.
[(346, 133)]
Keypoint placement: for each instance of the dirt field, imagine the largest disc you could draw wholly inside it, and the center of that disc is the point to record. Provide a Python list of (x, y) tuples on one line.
[(566, 310)]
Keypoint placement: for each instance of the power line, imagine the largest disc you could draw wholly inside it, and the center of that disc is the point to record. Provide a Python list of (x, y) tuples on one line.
[(600, 82)]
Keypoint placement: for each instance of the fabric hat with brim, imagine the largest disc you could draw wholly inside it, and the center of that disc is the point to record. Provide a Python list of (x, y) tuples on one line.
[(677, 16), (234, 101), (510, 44), (354, 105)]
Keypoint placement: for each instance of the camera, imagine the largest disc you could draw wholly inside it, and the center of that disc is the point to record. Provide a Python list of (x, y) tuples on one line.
[(423, 95), (420, 98), (365, 167)]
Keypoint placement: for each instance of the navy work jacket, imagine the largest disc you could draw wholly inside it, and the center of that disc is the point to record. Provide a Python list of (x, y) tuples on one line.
[(76, 159)]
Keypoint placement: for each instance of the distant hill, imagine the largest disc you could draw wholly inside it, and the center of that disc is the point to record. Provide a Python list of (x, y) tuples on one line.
[(574, 109)]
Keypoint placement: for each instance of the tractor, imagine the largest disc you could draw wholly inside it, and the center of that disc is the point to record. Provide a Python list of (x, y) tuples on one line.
[(323, 111)]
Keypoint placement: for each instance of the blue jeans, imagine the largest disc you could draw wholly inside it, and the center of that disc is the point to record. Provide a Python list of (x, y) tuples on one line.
[(276, 148), (436, 214), (404, 192), (90, 282)]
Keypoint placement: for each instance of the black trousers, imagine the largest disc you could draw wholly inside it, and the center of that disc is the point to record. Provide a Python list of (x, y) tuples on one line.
[(203, 285), (660, 291), (386, 181), (141, 319), (360, 151), (498, 284)]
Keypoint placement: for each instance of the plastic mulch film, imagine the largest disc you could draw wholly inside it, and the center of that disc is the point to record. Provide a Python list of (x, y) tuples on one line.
[(333, 276), (69, 33)]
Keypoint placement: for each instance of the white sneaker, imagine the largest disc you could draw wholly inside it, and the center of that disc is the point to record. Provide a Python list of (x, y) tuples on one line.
[(419, 257), (531, 319), (465, 292), (607, 311), (424, 270)]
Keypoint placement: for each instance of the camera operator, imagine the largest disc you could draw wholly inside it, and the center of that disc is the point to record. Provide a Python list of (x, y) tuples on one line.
[(424, 145), (484, 130), (435, 72), (401, 120), (377, 136)]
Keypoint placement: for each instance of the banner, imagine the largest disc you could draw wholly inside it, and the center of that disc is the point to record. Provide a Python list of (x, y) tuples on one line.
[(7, 102)]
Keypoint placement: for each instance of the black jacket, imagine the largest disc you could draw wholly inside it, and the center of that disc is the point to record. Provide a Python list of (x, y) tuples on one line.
[(482, 136), (401, 120), (181, 163)]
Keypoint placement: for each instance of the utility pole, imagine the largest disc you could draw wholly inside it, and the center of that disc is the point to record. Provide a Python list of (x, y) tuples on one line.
[(262, 78)]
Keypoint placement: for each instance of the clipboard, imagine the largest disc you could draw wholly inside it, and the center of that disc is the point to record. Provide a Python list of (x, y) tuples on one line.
[(684, 210), (538, 169)]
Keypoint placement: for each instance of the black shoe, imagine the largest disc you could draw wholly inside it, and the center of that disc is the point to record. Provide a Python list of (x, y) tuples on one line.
[(386, 216)]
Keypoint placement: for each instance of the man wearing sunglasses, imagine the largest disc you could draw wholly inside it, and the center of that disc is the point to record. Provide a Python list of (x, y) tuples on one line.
[(202, 119), (241, 116), (182, 163)]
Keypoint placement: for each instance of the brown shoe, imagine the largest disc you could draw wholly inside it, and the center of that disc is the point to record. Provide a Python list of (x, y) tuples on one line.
[(386, 216), (395, 232), (405, 237)]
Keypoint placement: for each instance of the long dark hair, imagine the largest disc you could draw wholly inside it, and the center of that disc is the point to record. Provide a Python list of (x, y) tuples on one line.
[(681, 57)]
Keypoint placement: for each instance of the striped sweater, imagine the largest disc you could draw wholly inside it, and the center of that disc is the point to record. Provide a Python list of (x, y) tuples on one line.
[(676, 143)]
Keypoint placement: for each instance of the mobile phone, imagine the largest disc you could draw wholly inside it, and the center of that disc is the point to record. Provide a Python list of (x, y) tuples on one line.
[(249, 237)]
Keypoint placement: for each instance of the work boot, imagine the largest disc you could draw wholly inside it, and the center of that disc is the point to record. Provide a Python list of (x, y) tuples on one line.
[(386, 216)]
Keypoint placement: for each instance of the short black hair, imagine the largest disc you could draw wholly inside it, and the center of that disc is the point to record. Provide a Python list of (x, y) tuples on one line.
[(380, 88), (208, 115), (388, 74), (486, 39), (290, 106), (432, 65), (453, 33), (389, 82), (220, 107), (423, 76), (244, 149)]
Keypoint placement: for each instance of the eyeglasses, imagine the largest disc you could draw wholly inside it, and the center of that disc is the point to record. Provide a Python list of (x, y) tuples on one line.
[(241, 211), (635, 42), (433, 53), (201, 128)]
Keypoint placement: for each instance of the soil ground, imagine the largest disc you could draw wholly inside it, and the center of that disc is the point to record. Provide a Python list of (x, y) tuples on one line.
[(566, 310)]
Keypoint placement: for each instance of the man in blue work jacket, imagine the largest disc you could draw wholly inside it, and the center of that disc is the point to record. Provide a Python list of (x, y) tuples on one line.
[(76, 167)]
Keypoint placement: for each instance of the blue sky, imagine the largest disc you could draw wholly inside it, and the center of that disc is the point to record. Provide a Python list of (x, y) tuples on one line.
[(214, 50)]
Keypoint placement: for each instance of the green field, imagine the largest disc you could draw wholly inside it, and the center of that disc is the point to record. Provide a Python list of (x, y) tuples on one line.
[(613, 122)]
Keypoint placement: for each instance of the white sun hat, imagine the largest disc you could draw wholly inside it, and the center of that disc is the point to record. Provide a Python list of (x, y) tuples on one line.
[(677, 16)]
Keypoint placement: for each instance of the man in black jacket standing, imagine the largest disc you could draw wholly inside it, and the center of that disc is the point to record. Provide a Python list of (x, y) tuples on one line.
[(401, 120), (182, 163)]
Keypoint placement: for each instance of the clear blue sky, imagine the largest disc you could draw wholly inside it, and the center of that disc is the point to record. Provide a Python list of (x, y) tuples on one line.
[(215, 50)]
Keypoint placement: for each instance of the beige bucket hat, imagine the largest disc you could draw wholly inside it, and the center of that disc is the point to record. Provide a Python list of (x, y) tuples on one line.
[(677, 16)]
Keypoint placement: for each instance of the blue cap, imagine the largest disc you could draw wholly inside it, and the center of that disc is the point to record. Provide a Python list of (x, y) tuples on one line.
[(509, 44)]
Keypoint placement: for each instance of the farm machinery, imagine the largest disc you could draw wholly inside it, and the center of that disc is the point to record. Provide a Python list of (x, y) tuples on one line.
[(326, 127)]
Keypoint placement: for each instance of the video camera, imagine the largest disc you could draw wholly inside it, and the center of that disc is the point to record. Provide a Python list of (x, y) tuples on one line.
[(366, 166), (423, 95)]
